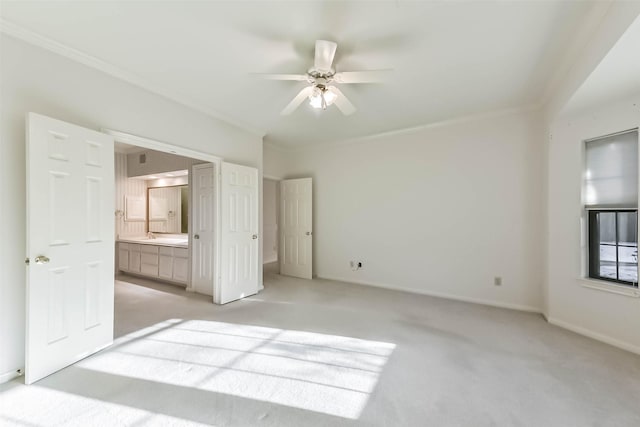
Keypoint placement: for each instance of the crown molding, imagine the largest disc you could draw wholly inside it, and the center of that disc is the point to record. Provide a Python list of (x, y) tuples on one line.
[(51, 45), (406, 131)]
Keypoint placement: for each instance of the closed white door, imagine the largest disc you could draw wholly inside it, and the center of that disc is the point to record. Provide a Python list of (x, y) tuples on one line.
[(202, 228), (296, 228), (70, 247), (239, 227)]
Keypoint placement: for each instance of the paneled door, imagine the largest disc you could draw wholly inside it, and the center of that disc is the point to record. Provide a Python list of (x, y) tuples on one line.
[(202, 228), (239, 226), (296, 228), (70, 244)]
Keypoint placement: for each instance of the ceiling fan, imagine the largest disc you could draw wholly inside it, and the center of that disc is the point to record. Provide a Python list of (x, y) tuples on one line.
[(321, 92)]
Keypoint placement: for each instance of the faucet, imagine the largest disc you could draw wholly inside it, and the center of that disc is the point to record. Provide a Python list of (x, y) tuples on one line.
[(150, 235)]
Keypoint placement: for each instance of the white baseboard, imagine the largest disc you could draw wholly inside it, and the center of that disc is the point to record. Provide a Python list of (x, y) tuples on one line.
[(557, 322), (499, 304), (595, 335), (8, 376)]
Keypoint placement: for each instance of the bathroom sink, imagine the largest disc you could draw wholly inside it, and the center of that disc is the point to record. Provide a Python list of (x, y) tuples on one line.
[(169, 240)]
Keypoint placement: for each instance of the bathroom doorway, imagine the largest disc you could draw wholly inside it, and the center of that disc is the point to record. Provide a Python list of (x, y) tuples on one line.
[(164, 224)]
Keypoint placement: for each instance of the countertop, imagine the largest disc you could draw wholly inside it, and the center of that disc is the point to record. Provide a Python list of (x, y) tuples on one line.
[(158, 241)]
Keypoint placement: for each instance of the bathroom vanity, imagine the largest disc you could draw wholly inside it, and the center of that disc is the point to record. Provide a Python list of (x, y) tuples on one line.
[(163, 258)]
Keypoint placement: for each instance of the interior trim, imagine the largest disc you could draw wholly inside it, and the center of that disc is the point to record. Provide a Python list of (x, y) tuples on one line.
[(405, 131), (611, 287), (8, 376), (51, 45), (594, 335), (498, 304)]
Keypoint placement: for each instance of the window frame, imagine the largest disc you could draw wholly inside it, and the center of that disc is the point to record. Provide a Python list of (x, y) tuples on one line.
[(593, 244)]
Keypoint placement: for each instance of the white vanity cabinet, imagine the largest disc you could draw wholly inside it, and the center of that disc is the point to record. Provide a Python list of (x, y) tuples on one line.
[(149, 260), (165, 258), (169, 263), (134, 258), (181, 264), (123, 256)]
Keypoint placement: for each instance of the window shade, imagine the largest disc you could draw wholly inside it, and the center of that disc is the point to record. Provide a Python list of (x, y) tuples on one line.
[(611, 173)]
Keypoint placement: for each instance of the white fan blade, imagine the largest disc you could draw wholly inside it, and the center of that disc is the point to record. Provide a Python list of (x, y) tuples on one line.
[(298, 77), (295, 103), (373, 76), (342, 102), (325, 51)]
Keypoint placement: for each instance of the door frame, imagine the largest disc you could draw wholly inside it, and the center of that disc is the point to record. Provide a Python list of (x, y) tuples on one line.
[(216, 235), (165, 147)]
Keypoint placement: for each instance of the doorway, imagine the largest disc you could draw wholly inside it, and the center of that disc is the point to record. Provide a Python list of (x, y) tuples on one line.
[(165, 217), (270, 200)]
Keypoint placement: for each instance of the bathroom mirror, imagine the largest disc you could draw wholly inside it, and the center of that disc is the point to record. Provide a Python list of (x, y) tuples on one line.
[(168, 209)]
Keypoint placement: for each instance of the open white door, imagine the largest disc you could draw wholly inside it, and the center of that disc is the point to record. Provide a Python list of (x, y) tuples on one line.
[(202, 228), (70, 244), (239, 227), (296, 228)]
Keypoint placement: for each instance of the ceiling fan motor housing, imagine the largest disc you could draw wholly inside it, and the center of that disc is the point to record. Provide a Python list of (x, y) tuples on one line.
[(317, 75)]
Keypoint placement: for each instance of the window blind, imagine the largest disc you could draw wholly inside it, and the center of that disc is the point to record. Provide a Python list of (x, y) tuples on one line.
[(611, 171)]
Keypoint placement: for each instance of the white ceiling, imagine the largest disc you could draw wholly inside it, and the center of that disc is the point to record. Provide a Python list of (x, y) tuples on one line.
[(617, 75), (450, 59)]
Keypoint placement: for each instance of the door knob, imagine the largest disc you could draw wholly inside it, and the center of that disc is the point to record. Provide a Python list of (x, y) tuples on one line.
[(308, 233), (196, 236), (254, 237), (41, 259)]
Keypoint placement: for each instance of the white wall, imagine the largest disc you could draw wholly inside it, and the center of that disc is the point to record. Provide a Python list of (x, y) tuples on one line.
[(603, 315), (438, 210), (270, 220), (36, 80), (276, 161)]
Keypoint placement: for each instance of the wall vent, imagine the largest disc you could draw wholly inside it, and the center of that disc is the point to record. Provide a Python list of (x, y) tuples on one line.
[(142, 159)]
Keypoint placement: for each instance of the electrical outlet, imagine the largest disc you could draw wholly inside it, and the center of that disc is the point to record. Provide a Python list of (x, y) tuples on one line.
[(497, 281)]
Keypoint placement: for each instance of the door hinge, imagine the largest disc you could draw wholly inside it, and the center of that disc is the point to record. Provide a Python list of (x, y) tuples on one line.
[(26, 261)]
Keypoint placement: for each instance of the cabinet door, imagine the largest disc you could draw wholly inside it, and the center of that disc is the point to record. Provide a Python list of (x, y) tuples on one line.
[(134, 261), (180, 269), (165, 268), (123, 259), (151, 259), (149, 269)]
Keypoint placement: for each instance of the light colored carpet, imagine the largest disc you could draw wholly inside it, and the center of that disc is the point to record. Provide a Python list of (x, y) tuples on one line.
[(305, 353)]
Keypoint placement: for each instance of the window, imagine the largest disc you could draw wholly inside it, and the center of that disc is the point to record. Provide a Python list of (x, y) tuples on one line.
[(611, 201), (613, 246)]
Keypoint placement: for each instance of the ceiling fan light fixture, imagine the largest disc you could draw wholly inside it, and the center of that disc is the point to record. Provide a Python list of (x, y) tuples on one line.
[(321, 98)]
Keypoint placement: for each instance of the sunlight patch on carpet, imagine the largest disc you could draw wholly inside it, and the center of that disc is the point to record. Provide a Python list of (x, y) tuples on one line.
[(317, 372)]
